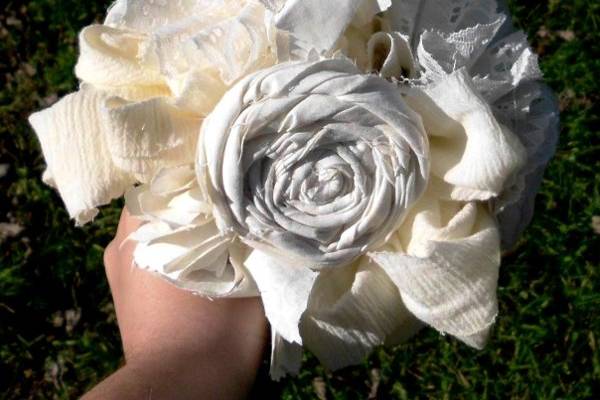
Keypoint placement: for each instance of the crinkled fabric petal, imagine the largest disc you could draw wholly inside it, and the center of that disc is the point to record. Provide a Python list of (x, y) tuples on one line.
[(147, 16), (243, 46), (441, 53), (351, 310), (413, 17), (286, 357), (284, 290), (172, 197), (110, 59), (450, 282), (181, 242), (149, 135), (504, 65), (197, 91), (469, 148), (167, 184), (390, 54), (76, 148), (179, 209), (435, 217), (168, 245), (300, 17), (368, 9), (204, 53), (195, 258), (532, 113)]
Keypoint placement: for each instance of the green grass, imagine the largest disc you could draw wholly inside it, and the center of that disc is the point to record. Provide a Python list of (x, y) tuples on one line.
[(544, 346)]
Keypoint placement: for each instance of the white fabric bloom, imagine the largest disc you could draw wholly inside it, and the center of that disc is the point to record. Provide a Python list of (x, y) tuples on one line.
[(180, 240), (313, 161), (150, 74)]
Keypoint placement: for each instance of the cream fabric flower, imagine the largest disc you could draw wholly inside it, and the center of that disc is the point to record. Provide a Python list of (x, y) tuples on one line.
[(313, 161), (150, 74)]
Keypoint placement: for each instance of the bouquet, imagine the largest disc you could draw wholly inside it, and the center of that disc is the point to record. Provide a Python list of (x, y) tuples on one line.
[(358, 164)]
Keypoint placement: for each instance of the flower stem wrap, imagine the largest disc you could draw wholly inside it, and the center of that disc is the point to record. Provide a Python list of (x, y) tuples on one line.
[(313, 161)]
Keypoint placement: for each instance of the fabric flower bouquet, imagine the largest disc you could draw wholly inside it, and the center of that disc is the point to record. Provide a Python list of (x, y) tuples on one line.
[(359, 164)]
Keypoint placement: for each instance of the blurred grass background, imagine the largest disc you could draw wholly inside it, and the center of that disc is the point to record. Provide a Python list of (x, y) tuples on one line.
[(58, 335)]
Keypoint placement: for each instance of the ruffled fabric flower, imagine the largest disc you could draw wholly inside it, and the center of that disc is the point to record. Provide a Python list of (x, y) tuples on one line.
[(149, 74)]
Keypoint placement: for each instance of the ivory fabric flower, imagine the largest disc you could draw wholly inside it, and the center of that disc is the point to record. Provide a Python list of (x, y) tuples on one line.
[(358, 164), (149, 74)]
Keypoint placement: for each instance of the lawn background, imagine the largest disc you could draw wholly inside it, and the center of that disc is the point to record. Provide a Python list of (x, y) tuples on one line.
[(58, 335)]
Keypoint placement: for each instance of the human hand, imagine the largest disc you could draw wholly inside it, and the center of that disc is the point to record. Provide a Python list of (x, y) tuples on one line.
[(176, 344)]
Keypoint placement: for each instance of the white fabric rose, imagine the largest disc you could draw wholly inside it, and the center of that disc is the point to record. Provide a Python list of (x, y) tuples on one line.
[(313, 161)]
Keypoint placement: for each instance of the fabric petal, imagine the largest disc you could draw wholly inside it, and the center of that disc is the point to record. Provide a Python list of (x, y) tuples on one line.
[(413, 17), (284, 290), (76, 148), (286, 357), (441, 53), (299, 18), (147, 16), (504, 65), (149, 135), (470, 149), (195, 258), (532, 113), (368, 9), (180, 241), (351, 310), (390, 54), (450, 280), (201, 54), (233, 46), (110, 59)]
